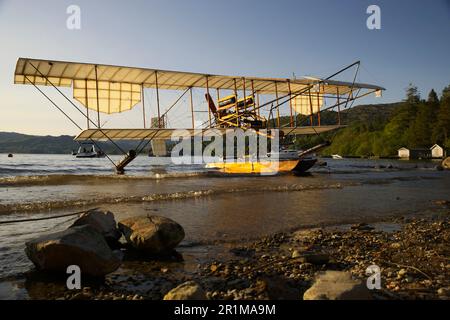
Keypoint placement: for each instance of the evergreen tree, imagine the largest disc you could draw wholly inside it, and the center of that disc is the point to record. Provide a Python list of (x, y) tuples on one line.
[(446, 92), (421, 134), (412, 94), (397, 131), (422, 127), (432, 97), (404, 119), (441, 131), (413, 123), (433, 109)]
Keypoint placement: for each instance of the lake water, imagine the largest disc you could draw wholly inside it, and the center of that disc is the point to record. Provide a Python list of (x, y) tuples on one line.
[(211, 207)]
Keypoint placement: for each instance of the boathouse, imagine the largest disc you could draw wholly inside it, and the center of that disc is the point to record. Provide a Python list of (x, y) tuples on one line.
[(437, 151), (414, 153)]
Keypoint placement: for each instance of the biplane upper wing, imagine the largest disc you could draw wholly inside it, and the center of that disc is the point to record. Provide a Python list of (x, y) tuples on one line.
[(166, 134), (112, 89)]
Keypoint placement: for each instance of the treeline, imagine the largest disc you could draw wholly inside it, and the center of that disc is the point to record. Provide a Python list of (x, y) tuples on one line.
[(414, 123)]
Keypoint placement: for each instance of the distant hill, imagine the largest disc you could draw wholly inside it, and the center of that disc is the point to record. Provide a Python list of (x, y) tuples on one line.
[(11, 142), (370, 116), (369, 112)]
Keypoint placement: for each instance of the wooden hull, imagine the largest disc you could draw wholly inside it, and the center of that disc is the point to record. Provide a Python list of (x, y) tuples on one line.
[(263, 167)]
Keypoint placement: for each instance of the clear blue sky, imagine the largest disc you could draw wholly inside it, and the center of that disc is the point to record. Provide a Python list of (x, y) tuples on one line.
[(255, 38)]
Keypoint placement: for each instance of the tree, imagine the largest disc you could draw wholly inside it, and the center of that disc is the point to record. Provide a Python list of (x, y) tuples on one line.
[(412, 94), (446, 93), (421, 131), (432, 97), (422, 127), (432, 110), (413, 123), (441, 131)]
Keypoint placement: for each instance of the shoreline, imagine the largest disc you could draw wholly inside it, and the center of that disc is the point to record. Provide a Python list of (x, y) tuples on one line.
[(411, 250)]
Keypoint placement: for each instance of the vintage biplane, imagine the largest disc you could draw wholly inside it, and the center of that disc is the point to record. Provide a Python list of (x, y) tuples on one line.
[(293, 106)]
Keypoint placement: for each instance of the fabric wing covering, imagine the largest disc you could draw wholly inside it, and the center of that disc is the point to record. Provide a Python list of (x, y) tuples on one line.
[(306, 104), (120, 88), (167, 134), (113, 97)]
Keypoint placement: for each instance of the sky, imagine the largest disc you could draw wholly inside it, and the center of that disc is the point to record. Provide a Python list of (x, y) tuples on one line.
[(233, 37)]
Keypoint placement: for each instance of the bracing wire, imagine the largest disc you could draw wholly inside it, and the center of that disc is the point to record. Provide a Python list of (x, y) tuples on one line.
[(73, 104), (68, 117)]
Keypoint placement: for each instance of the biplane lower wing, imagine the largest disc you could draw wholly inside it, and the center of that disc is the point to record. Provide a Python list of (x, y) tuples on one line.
[(309, 129), (166, 134)]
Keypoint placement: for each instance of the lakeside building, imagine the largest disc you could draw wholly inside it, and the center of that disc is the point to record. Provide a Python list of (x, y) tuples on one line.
[(414, 153), (436, 151)]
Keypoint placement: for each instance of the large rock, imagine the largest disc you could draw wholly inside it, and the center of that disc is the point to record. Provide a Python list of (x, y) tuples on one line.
[(82, 246), (446, 163), (337, 285), (186, 291), (102, 221), (153, 234)]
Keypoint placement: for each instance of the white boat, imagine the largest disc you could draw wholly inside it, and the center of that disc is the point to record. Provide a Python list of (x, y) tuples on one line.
[(336, 156), (88, 150)]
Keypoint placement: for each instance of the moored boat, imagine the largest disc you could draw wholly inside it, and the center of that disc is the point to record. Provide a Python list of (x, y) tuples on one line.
[(88, 150)]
